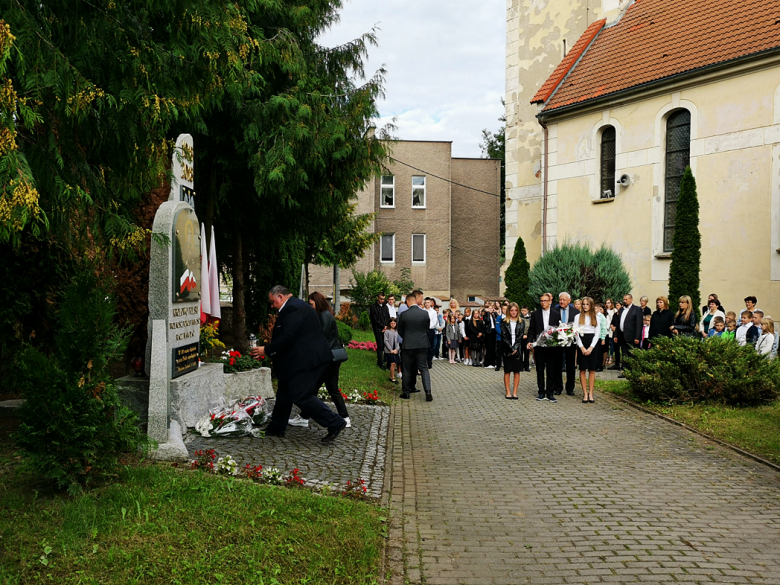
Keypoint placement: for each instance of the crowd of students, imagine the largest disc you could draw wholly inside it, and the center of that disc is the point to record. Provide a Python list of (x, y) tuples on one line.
[(497, 334)]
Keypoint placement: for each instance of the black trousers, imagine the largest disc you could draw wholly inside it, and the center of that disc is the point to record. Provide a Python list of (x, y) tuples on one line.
[(570, 356), (626, 347), (331, 380), (525, 355), (490, 348), (415, 360), (548, 364), (301, 390), (616, 346), (432, 347), (499, 345), (380, 346)]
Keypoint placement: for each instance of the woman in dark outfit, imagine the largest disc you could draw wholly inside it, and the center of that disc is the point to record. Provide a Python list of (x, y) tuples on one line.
[(662, 320), (331, 331), (476, 335), (685, 319), (512, 333)]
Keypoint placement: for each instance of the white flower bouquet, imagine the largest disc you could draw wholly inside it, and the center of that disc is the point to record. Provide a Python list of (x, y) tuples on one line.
[(236, 421), (559, 336)]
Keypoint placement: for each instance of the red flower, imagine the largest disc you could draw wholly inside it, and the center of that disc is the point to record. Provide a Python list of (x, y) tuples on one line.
[(232, 362)]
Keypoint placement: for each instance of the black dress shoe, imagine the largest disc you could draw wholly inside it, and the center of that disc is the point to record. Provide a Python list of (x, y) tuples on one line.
[(270, 432), (570, 393), (413, 391), (614, 368), (621, 376), (405, 396), (333, 432), (558, 392), (428, 397), (599, 369)]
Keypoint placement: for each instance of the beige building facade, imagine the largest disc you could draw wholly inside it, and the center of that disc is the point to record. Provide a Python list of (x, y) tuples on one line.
[(721, 117), (438, 216), (540, 33)]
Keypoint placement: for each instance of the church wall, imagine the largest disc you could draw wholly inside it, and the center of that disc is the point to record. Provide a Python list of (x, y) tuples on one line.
[(536, 32), (735, 157)]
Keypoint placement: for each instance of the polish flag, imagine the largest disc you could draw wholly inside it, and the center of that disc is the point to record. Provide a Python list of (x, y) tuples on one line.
[(205, 297), (213, 278), (187, 281)]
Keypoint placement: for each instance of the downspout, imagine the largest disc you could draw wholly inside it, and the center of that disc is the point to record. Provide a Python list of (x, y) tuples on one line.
[(544, 189)]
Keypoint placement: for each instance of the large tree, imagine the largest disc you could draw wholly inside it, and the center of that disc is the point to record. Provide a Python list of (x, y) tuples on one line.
[(686, 241)]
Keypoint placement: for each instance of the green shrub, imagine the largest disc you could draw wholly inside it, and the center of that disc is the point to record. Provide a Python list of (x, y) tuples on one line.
[(686, 257), (581, 271), (684, 369), (364, 322), (517, 278), (73, 427), (345, 333)]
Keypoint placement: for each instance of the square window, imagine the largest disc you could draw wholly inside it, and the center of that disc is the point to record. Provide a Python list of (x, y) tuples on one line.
[(418, 248), (387, 248), (418, 192), (387, 196)]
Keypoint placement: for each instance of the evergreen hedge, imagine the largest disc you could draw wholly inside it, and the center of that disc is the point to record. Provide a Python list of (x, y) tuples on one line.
[(582, 272), (685, 369), (517, 278), (345, 333), (686, 256)]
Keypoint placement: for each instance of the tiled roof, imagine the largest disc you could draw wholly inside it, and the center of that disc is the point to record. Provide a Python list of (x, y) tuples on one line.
[(656, 39), (570, 59)]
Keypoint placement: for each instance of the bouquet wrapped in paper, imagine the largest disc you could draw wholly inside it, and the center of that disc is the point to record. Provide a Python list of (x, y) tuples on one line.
[(235, 421), (562, 335)]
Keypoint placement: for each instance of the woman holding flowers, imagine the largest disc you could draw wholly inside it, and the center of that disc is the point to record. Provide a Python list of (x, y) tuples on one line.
[(512, 333), (588, 330)]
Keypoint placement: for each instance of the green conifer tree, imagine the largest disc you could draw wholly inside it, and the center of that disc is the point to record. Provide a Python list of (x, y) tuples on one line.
[(517, 277), (686, 257)]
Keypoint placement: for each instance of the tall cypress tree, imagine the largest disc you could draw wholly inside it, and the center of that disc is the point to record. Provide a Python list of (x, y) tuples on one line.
[(686, 257), (517, 277)]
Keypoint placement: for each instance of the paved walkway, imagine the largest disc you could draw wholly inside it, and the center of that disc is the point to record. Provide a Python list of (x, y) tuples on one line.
[(358, 453), (492, 491)]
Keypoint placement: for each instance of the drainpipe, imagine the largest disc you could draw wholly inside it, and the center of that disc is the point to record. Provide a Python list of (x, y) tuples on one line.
[(544, 189)]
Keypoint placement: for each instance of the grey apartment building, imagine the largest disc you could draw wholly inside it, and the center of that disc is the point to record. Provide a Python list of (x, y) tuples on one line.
[(438, 216)]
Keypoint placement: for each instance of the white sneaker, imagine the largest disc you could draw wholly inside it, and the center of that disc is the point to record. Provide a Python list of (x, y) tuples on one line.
[(297, 421), (349, 423), (488, 367), (399, 375)]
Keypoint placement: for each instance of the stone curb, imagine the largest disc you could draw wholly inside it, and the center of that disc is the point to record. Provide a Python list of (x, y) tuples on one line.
[(693, 430), (384, 501)]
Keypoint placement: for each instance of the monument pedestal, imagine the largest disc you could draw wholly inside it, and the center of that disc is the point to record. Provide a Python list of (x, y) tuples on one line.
[(192, 394)]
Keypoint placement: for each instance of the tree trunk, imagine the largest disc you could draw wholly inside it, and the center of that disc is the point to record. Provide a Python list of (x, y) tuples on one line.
[(337, 289), (239, 304), (306, 283)]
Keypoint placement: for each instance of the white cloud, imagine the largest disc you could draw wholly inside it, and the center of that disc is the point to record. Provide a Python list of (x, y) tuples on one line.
[(445, 65)]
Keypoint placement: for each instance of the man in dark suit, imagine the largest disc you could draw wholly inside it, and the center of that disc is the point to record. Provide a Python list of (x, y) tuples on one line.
[(301, 355), (628, 327), (547, 358), (380, 317), (569, 354), (413, 326)]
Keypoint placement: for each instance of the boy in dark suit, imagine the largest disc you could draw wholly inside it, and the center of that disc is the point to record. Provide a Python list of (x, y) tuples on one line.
[(547, 359)]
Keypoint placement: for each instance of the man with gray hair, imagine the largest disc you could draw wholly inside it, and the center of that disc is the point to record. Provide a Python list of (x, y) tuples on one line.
[(301, 357), (568, 354)]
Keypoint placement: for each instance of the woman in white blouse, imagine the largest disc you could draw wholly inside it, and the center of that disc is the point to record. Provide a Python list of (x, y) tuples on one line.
[(588, 330), (512, 333)]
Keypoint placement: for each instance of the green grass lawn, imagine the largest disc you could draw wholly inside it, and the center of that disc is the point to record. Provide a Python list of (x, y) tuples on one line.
[(360, 371), (170, 526), (755, 429)]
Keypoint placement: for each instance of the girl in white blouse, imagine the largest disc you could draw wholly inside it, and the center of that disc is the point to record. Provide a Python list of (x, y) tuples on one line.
[(588, 330), (767, 340)]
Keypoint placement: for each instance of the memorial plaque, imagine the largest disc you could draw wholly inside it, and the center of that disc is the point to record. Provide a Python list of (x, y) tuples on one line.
[(186, 257), (187, 195), (185, 359)]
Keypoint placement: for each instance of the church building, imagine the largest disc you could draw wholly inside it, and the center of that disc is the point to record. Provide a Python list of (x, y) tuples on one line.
[(608, 101)]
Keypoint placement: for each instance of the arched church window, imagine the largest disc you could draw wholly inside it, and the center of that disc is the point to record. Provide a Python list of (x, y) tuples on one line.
[(608, 162), (678, 157)]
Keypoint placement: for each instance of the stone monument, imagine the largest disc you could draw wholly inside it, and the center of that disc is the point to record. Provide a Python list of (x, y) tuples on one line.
[(179, 390)]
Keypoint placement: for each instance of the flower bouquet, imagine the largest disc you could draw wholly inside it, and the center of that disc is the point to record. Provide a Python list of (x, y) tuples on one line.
[(233, 362), (236, 421), (560, 336)]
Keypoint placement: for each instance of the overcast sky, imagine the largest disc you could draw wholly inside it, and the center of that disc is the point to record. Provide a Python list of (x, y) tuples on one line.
[(444, 61)]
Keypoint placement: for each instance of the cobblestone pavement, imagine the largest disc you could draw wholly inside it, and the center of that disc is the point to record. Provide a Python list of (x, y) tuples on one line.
[(492, 491), (359, 452)]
